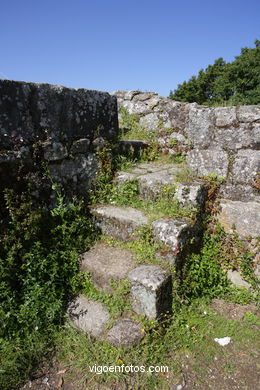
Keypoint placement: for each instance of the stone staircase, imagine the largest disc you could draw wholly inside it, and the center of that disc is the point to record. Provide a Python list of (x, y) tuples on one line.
[(150, 285)]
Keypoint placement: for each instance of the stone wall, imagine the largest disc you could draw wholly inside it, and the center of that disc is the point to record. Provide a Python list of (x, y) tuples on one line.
[(59, 126), (221, 140)]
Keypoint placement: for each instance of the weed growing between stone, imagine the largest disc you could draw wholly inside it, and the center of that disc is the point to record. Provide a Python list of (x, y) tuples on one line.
[(39, 272), (191, 333)]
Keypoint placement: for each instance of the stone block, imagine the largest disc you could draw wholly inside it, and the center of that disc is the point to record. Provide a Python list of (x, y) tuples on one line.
[(151, 290), (200, 126), (150, 121), (107, 263), (88, 316), (242, 217), (135, 147), (80, 146), (236, 279), (235, 191), (54, 151), (206, 162), (194, 194), (236, 137), (225, 116), (248, 114), (124, 333), (119, 222), (174, 233), (246, 166)]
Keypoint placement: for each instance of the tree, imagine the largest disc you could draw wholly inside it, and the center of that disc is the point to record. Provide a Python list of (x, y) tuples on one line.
[(233, 83)]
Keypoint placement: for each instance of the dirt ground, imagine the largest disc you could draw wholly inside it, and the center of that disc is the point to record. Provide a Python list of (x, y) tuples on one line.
[(237, 368)]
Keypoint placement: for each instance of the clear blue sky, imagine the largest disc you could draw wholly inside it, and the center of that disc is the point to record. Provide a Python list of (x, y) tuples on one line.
[(111, 44)]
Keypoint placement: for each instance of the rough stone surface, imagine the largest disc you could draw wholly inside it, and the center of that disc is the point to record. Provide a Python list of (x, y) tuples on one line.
[(152, 178), (220, 140), (88, 316), (236, 279), (106, 263), (133, 147), (248, 114), (194, 194), (80, 146), (234, 138), (151, 290), (206, 162), (246, 166), (200, 126), (243, 216), (53, 123), (54, 151), (172, 232), (225, 116), (81, 170), (124, 333), (119, 222), (243, 192)]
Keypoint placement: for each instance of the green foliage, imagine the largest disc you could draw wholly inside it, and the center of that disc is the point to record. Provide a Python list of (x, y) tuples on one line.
[(224, 83), (116, 302), (190, 332), (39, 271), (163, 205), (203, 275)]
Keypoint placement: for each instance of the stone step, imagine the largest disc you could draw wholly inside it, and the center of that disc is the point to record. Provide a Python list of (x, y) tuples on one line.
[(119, 222), (151, 291), (88, 316), (178, 235), (91, 317), (151, 285), (152, 178), (135, 148), (123, 223), (106, 263), (125, 332)]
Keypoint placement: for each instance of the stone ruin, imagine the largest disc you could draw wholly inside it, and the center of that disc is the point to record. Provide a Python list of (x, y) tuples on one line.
[(63, 128)]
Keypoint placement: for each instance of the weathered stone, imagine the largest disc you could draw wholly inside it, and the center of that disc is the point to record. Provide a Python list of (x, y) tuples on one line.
[(225, 116), (236, 137), (194, 194), (179, 114), (243, 217), (119, 222), (150, 121), (88, 316), (135, 147), (29, 110), (153, 178), (200, 126), (107, 263), (246, 166), (50, 121), (81, 168), (124, 333), (236, 191), (151, 184), (206, 162), (236, 279), (15, 156), (54, 151), (80, 146), (248, 113), (174, 233), (178, 137), (151, 290)]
